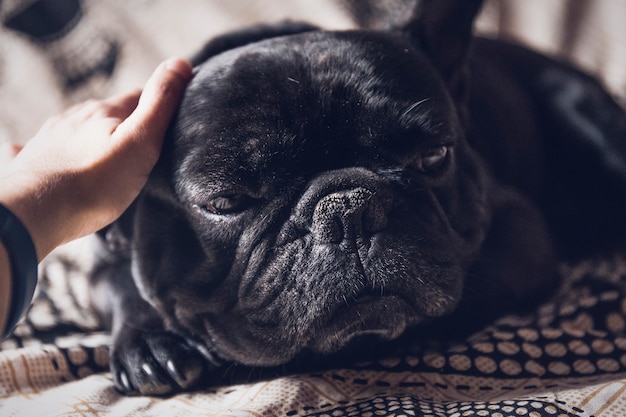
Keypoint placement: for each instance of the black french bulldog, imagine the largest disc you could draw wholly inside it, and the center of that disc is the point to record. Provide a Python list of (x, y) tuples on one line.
[(320, 187)]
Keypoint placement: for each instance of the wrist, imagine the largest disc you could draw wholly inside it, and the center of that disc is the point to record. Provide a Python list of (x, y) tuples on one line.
[(26, 199)]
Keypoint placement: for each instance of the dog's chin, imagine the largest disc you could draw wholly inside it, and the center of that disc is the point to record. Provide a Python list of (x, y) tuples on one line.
[(378, 318), (381, 318)]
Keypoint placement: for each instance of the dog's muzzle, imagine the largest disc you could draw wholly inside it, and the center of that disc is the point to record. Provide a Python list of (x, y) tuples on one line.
[(348, 216), (343, 207)]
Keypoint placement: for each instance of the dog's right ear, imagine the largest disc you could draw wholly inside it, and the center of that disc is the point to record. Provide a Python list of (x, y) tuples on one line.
[(441, 29), (249, 35), (380, 14)]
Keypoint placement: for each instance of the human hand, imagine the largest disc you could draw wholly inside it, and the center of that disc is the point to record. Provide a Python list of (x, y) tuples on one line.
[(86, 166)]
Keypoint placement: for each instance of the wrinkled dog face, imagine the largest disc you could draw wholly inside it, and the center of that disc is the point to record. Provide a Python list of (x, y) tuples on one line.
[(330, 192)]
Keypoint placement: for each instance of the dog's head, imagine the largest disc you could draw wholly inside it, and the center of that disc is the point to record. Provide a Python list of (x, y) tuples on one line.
[(316, 187)]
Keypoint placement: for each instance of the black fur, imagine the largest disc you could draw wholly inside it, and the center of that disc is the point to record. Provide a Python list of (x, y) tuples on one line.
[(318, 188)]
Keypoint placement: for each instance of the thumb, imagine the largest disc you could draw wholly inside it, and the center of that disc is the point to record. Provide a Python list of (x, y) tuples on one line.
[(158, 102)]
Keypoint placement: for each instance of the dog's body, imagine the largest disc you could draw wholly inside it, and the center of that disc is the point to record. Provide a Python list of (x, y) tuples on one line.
[(319, 187)]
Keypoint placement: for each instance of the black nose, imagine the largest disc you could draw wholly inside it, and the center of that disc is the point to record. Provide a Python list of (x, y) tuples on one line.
[(348, 216)]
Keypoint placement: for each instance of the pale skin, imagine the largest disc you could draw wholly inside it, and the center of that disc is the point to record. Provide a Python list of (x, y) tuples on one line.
[(85, 167)]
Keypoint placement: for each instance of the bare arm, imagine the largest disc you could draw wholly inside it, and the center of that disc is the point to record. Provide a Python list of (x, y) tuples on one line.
[(85, 166)]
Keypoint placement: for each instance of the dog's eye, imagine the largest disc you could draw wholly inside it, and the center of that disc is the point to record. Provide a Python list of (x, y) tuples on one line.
[(227, 204), (432, 159)]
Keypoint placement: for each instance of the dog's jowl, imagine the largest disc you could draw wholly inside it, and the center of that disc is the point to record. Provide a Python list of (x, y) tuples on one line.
[(320, 189)]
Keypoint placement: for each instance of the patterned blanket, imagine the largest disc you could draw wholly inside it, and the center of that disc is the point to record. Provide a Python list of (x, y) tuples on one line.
[(565, 358)]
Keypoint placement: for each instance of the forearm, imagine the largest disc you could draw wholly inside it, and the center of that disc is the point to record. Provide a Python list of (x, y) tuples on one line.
[(20, 195), (41, 206)]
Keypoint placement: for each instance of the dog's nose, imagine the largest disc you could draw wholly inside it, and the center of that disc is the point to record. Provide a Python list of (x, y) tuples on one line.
[(346, 216)]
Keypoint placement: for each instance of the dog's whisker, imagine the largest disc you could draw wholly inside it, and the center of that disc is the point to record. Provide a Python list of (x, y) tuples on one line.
[(414, 106), (345, 299)]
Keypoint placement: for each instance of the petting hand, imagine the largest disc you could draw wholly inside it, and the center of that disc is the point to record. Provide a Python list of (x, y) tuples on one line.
[(86, 166)]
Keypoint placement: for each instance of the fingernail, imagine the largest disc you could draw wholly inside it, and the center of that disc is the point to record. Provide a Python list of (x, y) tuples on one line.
[(179, 66)]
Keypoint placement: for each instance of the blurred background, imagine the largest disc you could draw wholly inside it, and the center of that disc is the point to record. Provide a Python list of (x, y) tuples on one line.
[(54, 53)]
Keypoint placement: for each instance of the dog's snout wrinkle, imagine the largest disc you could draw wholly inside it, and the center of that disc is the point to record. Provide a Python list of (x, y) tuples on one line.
[(345, 217), (330, 219)]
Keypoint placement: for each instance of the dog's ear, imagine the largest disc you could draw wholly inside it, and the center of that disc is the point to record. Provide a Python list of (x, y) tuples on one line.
[(380, 14), (249, 35), (442, 29)]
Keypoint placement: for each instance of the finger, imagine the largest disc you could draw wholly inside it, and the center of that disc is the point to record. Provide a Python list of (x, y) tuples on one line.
[(157, 104), (119, 107), (122, 105)]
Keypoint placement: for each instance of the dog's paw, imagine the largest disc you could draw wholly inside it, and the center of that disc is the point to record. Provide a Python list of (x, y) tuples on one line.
[(159, 363)]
